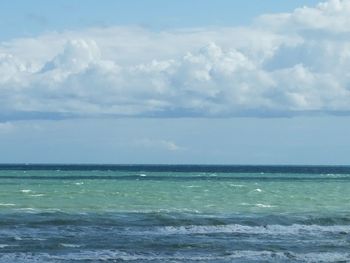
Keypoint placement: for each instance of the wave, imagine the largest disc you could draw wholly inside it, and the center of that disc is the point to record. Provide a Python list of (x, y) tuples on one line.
[(4, 246), (164, 217), (183, 178), (25, 191), (70, 245), (271, 230), (159, 237), (116, 255)]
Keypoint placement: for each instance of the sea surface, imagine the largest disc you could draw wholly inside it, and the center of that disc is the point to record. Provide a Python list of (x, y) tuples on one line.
[(134, 213)]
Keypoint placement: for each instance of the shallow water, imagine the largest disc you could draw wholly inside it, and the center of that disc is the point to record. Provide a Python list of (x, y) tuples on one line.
[(153, 214)]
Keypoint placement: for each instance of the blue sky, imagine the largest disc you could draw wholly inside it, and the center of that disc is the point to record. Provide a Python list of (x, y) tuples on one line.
[(28, 18), (322, 140), (186, 81)]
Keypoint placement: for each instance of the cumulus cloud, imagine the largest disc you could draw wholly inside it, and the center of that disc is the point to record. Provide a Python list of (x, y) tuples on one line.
[(332, 16), (284, 64)]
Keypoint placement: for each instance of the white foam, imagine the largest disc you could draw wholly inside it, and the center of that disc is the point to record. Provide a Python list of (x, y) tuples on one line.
[(26, 190), (193, 186), (264, 206), (108, 255), (323, 257), (37, 239), (69, 245), (37, 195), (7, 204), (28, 210), (18, 238), (295, 229)]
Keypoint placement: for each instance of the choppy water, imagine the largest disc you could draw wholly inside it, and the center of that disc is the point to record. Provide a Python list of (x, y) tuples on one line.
[(174, 214)]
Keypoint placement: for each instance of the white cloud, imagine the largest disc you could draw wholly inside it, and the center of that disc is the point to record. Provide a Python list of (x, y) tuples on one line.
[(289, 63), (332, 16), (158, 144), (76, 57)]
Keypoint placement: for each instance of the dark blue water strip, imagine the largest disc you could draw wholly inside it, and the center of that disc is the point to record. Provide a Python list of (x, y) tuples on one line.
[(175, 178), (184, 168)]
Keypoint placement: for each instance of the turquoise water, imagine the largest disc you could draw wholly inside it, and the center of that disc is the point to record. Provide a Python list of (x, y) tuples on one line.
[(147, 215)]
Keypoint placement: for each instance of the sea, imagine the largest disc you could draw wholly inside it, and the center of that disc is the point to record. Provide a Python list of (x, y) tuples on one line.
[(174, 213)]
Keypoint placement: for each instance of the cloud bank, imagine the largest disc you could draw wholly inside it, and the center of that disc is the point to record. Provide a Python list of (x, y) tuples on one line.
[(283, 64)]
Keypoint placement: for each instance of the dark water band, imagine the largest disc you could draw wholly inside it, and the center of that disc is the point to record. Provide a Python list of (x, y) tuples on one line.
[(175, 178), (184, 168)]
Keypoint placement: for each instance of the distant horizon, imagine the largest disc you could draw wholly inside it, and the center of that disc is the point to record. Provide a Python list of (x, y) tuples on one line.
[(210, 170), (170, 164)]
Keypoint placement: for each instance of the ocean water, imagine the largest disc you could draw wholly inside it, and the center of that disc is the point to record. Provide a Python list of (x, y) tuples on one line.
[(68, 213)]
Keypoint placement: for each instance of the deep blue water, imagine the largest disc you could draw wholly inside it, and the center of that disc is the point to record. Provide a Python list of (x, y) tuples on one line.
[(286, 169)]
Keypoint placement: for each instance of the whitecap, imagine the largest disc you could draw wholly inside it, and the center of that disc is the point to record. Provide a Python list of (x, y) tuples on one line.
[(264, 206), (324, 257), (69, 245), (255, 256), (115, 255), (18, 238), (295, 229), (28, 210), (193, 186), (7, 204), (142, 175), (26, 191), (38, 239)]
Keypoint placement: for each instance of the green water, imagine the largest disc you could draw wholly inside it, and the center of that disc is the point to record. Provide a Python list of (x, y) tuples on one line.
[(230, 194)]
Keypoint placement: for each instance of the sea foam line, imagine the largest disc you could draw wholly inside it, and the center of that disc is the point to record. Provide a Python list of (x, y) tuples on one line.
[(295, 229), (7, 204), (106, 255)]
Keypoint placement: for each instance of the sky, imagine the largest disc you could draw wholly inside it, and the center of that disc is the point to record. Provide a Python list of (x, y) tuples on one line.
[(175, 82), (29, 18)]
